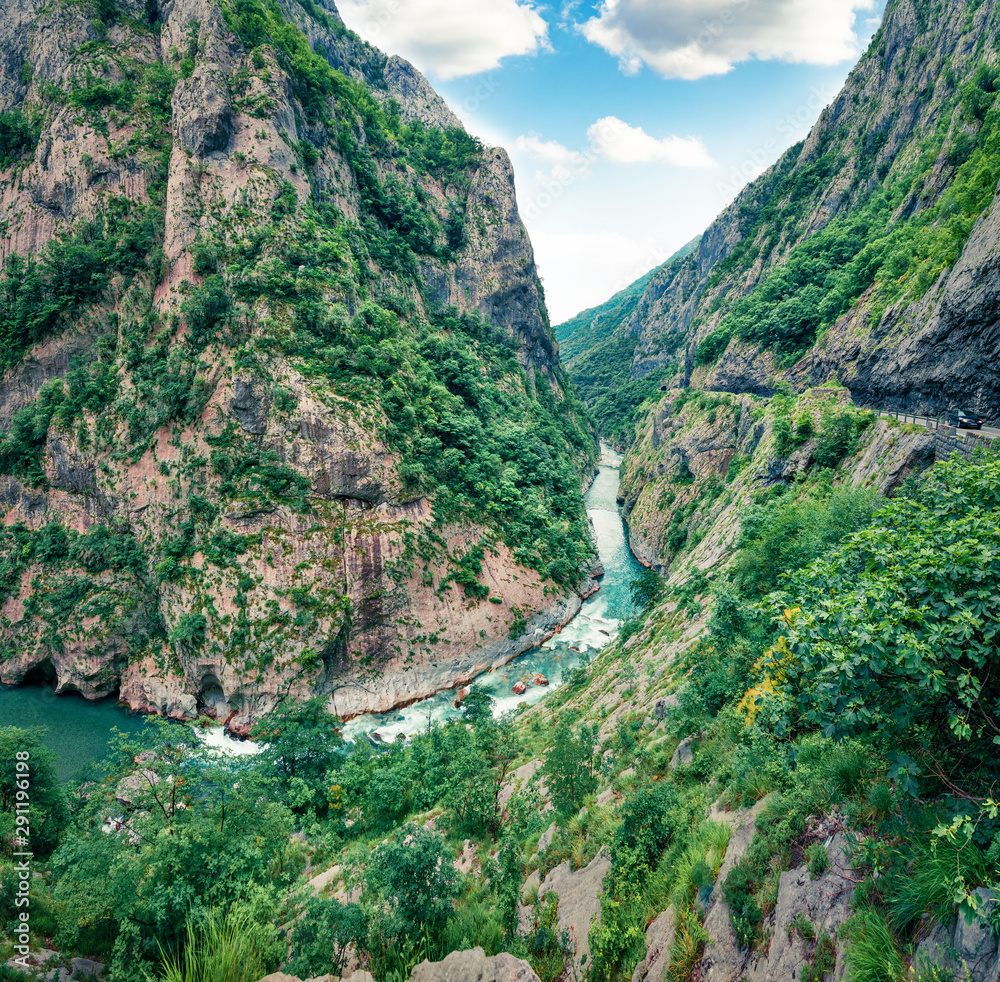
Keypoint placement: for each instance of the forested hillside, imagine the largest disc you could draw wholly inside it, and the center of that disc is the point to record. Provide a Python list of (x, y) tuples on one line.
[(281, 408), (597, 347), (864, 255)]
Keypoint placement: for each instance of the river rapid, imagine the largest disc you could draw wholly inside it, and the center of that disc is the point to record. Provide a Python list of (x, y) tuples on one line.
[(593, 627), (80, 731)]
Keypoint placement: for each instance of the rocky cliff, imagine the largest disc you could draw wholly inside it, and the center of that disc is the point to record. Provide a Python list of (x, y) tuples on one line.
[(703, 459), (274, 349), (868, 253)]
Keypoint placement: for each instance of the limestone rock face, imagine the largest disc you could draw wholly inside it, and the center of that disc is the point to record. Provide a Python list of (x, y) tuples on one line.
[(474, 966), (975, 945), (579, 902), (418, 100), (824, 902), (204, 117), (687, 453), (272, 545), (659, 941), (969, 950), (724, 959)]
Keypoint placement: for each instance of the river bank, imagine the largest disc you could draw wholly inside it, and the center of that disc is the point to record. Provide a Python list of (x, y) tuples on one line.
[(594, 625), (80, 730)]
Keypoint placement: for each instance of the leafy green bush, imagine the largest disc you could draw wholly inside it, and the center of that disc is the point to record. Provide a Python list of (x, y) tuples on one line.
[(18, 137), (923, 573), (48, 811), (569, 769), (818, 858), (417, 881), (839, 434), (322, 935), (786, 533), (189, 631)]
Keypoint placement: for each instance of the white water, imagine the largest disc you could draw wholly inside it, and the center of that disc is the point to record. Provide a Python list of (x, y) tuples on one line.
[(593, 627), (216, 738)]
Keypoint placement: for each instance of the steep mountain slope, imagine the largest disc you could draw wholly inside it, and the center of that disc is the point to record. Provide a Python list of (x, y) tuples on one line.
[(598, 347), (867, 254), (282, 411), (595, 325)]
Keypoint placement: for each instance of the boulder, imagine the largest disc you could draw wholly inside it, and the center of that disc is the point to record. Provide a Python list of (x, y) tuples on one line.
[(475, 966), (936, 951), (545, 839), (683, 755), (824, 902), (579, 903), (605, 797), (724, 959), (975, 945), (468, 859), (358, 976), (659, 941), (519, 688), (85, 967)]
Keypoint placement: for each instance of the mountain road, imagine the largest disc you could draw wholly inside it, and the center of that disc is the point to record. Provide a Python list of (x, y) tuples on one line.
[(993, 432)]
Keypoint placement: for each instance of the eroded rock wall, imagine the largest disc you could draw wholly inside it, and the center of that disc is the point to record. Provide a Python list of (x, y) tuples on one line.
[(320, 570)]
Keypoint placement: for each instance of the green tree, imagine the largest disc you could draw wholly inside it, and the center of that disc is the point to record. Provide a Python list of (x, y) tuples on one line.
[(416, 883), (300, 744), (170, 832), (27, 767), (478, 770), (569, 768), (646, 588), (322, 935)]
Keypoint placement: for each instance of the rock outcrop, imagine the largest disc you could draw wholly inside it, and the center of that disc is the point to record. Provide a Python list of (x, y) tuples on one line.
[(808, 909), (659, 941), (579, 895), (475, 966), (697, 464), (724, 959), (968, 948)]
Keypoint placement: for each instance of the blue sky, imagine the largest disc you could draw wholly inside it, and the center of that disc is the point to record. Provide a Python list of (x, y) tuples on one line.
[(630, 123)]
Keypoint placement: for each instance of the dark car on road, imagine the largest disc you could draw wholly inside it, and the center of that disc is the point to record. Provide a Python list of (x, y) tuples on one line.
[(965, 419)]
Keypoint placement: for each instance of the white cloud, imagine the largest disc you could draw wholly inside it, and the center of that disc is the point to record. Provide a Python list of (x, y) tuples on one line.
[(549, 151), (620, 143), (693, 38), (449, 38)]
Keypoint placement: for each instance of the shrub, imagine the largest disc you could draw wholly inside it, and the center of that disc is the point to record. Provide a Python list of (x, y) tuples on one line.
[(417, 882), (322, 935), (189, 631), (569, 769), (650, 816), (839, 434), (223, 947), (818, 859), (897, 630), (18, 137)]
